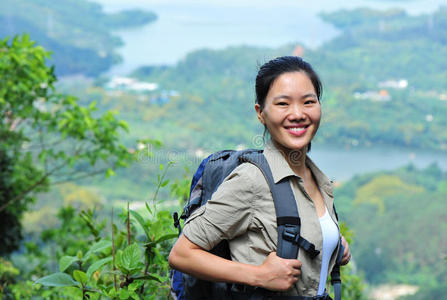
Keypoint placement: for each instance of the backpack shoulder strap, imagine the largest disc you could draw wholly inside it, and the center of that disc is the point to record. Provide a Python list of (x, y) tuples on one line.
[(335, 273), (287, 216)]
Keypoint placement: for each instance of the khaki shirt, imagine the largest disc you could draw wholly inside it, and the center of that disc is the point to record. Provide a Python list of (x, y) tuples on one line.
[(242, 211)]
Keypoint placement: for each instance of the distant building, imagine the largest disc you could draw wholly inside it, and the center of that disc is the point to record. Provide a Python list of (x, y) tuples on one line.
[(380, 96), (393, 84), (130, 84), (164, 96)]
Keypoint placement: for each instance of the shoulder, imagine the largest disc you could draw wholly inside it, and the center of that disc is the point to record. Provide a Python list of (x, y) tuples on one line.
[(250, 176)]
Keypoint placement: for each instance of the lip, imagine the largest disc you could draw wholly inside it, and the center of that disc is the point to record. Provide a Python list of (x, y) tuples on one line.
[(302, 130)]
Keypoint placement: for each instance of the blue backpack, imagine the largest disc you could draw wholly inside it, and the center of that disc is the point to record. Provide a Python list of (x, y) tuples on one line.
[(209, 176)]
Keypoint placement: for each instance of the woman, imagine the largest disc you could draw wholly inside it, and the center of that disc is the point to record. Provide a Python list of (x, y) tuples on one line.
[(242, 209)]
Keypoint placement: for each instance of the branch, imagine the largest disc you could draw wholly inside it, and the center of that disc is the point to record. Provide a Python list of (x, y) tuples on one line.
[(42, 147), (79, 177), (14, 124), (33, 186), (113, 254), (48, 145), (24, 193)]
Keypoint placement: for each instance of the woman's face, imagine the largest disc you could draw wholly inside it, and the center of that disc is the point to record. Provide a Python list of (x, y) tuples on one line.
[(291, 112)]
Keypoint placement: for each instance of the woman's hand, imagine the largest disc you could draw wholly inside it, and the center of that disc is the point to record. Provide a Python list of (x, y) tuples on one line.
[(346, 254), (279, 274)]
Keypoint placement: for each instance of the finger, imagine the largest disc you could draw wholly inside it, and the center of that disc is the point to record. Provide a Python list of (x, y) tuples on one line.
[(294, 263), (345, 260), (296, 273)]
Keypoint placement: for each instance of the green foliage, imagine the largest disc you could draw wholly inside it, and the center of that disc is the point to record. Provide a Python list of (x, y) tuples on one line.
[(77, 31), (46, 136), (382, 187), (402, 242), (99, 267)]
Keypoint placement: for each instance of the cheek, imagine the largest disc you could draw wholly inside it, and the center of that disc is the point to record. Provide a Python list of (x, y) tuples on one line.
[(316, 115), (269, 119)]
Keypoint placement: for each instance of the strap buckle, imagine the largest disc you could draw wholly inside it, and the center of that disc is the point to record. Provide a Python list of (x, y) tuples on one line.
[(291, 233), (308, 247)]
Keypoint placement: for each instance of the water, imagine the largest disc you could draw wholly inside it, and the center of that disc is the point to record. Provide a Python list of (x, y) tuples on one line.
[(187, 25), (341, 164)]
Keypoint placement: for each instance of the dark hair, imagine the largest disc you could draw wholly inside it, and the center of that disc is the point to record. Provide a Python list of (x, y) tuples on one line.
[(271, 70)]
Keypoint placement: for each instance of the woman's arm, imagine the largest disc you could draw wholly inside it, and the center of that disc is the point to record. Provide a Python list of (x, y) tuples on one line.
[(274, 274)]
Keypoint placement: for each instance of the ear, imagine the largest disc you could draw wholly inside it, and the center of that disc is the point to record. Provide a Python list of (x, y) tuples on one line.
[(259, 113)]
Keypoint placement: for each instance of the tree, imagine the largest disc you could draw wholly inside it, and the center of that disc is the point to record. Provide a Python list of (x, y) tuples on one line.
[(45, 137)]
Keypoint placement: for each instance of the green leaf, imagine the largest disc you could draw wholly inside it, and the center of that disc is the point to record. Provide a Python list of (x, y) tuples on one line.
[(129, 260), (140, 221), (110, 172), (123, 125), (96, 265), (98, 247), (165, 183), (124, 294), (166, 237), (149, 277), (57, 279), (135, 285), (92, 105), (66, 261), (111, 293), (134, 296), (80, 276), (148, 208), (42, 156)]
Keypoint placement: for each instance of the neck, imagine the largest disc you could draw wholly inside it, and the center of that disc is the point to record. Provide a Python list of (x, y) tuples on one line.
[(296, 158)]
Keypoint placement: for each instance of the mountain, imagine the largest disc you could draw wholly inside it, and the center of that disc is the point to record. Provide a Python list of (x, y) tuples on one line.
[(78, 32)]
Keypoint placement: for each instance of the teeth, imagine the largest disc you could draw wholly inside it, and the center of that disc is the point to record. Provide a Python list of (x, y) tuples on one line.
[(296, 128)]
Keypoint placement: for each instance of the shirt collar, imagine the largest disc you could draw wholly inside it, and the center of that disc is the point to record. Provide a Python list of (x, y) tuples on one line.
[(281, 169), (278, 164)]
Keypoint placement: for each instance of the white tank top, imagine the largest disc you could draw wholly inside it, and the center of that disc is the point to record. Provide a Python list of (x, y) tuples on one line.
[(330, 241)]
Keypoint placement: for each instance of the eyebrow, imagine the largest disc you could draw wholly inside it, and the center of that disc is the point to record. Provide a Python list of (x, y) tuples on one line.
[(288, 97)]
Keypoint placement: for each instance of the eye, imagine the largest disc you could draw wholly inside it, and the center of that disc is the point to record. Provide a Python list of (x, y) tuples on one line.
[(282, 103), (310, 101)]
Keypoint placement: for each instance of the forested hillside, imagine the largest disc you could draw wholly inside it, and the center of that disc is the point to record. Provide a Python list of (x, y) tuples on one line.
[(78, 32), (399, 223), (360, 71)]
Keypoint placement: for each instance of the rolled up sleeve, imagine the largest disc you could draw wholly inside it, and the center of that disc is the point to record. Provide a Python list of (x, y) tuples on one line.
[(227, 214)]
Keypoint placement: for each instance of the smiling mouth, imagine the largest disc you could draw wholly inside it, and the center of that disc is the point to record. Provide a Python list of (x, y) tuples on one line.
[(297, 131)]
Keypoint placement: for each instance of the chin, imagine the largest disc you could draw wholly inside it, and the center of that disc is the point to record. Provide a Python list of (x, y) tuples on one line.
[(295, 146)]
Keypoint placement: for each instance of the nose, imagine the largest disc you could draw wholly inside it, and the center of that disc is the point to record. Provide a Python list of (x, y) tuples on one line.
[(296, 112)]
